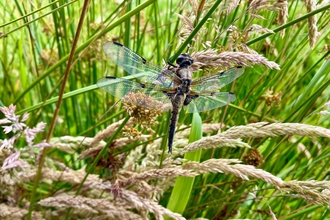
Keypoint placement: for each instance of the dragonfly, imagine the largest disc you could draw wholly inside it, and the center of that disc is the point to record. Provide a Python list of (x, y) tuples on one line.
[(167, 85)]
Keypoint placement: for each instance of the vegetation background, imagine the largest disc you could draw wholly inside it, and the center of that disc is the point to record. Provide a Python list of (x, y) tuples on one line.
[(52, 58)]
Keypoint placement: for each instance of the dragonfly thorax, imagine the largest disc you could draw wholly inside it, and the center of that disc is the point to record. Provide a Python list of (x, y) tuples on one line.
[(186, 82), (182, 89), (185, 75)]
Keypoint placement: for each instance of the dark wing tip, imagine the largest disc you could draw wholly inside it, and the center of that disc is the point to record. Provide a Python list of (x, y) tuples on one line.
[(111, 77), (237, 67), (231, 93), (118, 44)]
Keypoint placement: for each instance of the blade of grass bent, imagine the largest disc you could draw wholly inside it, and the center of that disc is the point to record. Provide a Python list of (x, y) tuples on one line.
[(68, 95)]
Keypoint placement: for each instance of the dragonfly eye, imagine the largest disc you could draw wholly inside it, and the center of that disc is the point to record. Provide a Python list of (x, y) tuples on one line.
[(184, 59)]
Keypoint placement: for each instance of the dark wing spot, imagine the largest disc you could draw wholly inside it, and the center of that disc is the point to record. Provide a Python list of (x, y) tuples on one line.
[(111, 77), (142, 85), (118, 44), (231, 93)]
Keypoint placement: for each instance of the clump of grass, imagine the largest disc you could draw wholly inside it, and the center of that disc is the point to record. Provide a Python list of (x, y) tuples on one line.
[(132, 189)]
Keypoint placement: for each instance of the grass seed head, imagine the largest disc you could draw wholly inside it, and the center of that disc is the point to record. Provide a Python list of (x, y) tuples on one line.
[(49, 57), (254, 158), (131, 132), (136, 104), (271, 98)]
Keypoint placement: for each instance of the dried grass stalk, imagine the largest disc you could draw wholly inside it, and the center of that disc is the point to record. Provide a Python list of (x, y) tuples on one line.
[(313, 33), (272, 214), (50, 175), (214, 142), (210, 59), (309, 190), (230, 166), (257, 4), (157, 174), (259, 29), (71, 144), (140, 203), (194, 6), (188, 27), (320, 185), (89, 207), (323, 3), (231, 5), (282, 14), (265, 129), (206, 128), (131, 199), (110, 130), (9, 212), (90, 152)]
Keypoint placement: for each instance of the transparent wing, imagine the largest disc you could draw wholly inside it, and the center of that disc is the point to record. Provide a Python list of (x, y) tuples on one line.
[(145, 95), (133, 64), (208, 102), (216, 82)]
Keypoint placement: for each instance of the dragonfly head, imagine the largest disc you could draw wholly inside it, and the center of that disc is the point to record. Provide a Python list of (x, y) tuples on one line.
[(184, 60)]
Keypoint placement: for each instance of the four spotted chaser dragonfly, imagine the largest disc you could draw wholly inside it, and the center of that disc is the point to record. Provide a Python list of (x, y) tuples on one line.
[(175, 87)]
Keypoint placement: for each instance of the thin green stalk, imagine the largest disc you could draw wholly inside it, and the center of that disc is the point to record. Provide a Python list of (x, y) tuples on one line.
[(66, 96)]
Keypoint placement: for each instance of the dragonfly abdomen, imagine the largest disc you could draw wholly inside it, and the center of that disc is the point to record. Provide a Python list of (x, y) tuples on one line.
[(177, 102), (174, 119)]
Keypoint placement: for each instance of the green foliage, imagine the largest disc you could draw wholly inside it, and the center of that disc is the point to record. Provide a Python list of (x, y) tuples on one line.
[(36, 41)]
